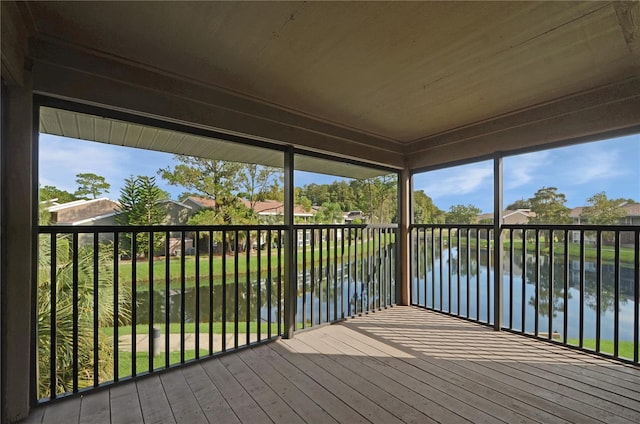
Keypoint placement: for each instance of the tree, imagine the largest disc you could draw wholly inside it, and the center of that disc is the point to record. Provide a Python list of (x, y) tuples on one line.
[(377, 198), (330, 213), (211, 178), (519, 204), (139, 200), (49, 192), (425, 211), (603, 211), (91, 184), (257, 180), (462, 214), (76, 275), (549, 207)]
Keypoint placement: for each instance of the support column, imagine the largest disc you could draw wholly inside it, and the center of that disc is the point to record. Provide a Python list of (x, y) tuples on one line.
[(18, 252), (405, 187), (497, 243), (290, 292)]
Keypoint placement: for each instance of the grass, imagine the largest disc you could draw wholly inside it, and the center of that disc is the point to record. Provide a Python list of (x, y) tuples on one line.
[(190, 327), (625, 348), (125, 361), (176, 269), (627, 254)]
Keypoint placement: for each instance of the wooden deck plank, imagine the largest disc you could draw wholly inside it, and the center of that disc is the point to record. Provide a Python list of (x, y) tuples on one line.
[(296, 399), (153, 401), (545, 385), (213, 404), (242, 404), (460, 365), (270, 402), (355, 360), (327, 400), (183, 402), (351, 376), (125, 406), (402, 364), (35, 417), (358, 401), (95, 408), (554, 393), (66, 411), (454, 385)]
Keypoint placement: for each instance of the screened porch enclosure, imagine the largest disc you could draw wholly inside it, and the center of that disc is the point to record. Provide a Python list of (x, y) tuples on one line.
[(393, 321)]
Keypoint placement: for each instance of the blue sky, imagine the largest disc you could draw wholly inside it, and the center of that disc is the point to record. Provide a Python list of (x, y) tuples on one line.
[(612, 166), (578, 171), (61, 158)]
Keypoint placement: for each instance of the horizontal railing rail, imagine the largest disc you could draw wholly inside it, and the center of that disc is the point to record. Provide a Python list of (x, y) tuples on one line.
[(116, 302), (577, 285), (344, 271)]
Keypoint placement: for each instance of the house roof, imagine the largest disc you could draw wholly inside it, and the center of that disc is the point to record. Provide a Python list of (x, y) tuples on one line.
[(267, 207), (76, 203), (81, 211), (525, 212), (632, 209)]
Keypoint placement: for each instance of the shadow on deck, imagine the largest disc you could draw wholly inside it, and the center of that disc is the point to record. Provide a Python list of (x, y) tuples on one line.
[(399, 365)]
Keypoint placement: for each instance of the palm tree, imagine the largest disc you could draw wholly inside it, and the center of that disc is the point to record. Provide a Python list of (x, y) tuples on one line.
[(63, 325)]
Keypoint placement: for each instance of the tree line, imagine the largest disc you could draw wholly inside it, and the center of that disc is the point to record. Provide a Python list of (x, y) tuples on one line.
[(548, 206), (374, 198)]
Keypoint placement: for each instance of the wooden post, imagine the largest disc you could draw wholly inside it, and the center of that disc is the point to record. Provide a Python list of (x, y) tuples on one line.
[(404, 243)]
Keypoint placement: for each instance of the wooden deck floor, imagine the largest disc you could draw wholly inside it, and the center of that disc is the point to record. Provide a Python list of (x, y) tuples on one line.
[(398, 365)]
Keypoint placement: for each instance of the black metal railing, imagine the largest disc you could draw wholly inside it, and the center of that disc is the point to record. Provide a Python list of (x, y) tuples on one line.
[(343, 271), (576, 285), (115, 302), (118, 302), (451, 270)]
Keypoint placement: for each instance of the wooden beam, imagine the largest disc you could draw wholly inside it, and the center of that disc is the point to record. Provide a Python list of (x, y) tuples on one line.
[(605, 109)]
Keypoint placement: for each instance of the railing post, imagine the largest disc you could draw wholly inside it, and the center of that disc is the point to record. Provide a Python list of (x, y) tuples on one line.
[(404, 200), (290, 293), (497, 243)]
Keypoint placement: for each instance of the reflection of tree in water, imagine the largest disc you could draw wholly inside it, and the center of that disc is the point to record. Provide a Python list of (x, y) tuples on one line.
[(607, 285), (190, 301), (607, 290), (544, 286)]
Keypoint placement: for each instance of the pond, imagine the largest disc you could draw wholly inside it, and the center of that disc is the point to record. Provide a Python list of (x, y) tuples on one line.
[(351, 289), (482, 294)]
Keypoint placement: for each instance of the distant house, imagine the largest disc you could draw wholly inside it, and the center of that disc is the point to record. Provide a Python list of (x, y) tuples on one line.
[(509, 217), (352, 216), (632, 217), (264, 209), (633, 214), (104, 211), (85, 212)]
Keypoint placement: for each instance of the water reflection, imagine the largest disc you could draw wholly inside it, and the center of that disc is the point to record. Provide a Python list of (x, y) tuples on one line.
[(459, 276)]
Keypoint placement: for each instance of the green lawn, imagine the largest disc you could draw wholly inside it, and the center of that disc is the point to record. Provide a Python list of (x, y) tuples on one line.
[(625, 348), (176, 269), (190, 327), (627, 254), (142, 361)]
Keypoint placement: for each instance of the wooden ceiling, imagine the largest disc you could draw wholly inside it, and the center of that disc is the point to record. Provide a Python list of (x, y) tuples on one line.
[(400, 74)]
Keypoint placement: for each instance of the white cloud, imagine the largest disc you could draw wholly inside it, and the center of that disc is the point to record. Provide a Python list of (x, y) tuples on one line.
[(519, 170), (61, 159), (456, 181), (594, 164)]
